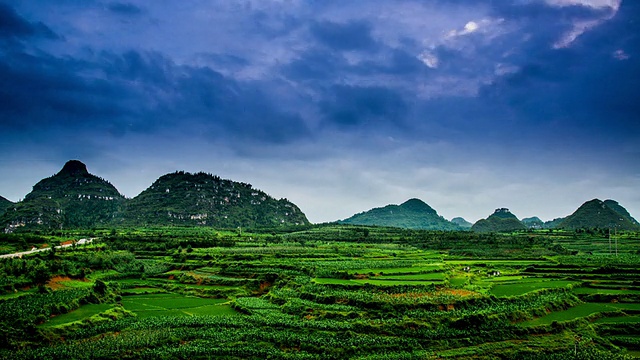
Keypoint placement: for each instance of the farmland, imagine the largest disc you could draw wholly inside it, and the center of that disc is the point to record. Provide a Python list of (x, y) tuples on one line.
[(321, 292)]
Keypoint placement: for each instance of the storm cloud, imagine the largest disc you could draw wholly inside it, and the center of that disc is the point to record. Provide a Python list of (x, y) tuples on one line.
[(466, 96)]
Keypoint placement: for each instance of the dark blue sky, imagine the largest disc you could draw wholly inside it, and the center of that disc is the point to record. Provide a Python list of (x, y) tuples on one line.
[(339, 106)]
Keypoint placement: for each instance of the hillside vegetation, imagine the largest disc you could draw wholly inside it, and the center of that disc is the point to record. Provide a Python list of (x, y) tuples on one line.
[(462, 223), (320, 292), (412, 214), (204, 199), (600, 214), (4, 205), (74, 198), (502, 220)]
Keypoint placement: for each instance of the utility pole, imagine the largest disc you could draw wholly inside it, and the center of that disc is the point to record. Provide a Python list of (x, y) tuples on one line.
[(609, 241)]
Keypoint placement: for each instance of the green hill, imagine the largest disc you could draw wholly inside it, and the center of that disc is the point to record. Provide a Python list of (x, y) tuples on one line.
[(4, 205), (72, 198), (613, 205), (462, 223), (600, 214), (182, 198), (500, 221), (412, 214), (552, 224), (533, 222)]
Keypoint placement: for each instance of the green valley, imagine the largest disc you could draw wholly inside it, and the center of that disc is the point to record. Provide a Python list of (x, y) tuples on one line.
[(322, 292)]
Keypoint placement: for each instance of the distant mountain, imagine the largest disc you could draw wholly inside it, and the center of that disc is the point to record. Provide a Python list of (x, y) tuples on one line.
[(4, 205), (462, 223), (533, 222), (552, 224), (502, 220), (72, 198), (600, 214), (412, 214), (204, 199)]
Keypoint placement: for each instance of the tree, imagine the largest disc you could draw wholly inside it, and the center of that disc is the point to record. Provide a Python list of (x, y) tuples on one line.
[(41, 273)]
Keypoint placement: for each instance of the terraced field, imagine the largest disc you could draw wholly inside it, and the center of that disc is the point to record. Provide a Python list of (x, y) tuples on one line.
[(333, 299)]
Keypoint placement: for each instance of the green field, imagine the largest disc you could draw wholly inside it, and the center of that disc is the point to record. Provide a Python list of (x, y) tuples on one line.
[(403, 270), (81, 313), (520, 288), (591, 290), (173, 305), (436, 276), (618, 319), (323, 292), (583, 310)]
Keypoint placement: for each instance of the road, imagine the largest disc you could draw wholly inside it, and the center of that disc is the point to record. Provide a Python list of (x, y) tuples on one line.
[(19, 254)]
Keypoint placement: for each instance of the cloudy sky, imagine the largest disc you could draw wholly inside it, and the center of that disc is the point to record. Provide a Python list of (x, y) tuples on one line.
[(339, 106)]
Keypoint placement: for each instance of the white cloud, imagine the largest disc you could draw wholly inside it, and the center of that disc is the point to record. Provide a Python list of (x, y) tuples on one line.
[(614, 4), (505, 69), (429, 59), (582, 26), (620, 55)]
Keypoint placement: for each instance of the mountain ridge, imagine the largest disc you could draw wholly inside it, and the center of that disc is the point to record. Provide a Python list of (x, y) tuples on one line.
[(412, 214), (461, 222), (71, 198), (502, 220), (75, 198), (205, 199), (596, 213), (4, 204)]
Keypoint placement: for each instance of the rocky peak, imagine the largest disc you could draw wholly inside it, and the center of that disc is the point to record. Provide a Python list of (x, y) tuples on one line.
[(74, 167)]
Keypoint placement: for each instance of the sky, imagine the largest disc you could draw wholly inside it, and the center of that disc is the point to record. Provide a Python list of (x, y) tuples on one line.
[(338, 106)]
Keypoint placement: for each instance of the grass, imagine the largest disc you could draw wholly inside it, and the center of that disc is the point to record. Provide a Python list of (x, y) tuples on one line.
[(76, 284), (399, 270), (81, 313), (142, 290), (515, 289), (101, 274), (383, 282), (374, 281), (19, 293), (517, 278), (208, 270), (168, 304), (618, 319), (575, 312), (458, 281), (590, 290), (332, 281), (437, 276), (625, 306), (212, 310), (203, 286), (471, 263)]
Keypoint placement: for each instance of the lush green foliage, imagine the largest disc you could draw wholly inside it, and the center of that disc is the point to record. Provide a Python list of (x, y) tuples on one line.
[(72, 198), (462, 223), (600, 214), (328, 292), (500, 221), (204, 199), (412, 214), (4, 205), (75, 199)]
